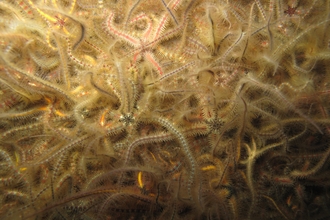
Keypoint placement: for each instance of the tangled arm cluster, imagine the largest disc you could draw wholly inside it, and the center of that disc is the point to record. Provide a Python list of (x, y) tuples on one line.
[(158, 109)]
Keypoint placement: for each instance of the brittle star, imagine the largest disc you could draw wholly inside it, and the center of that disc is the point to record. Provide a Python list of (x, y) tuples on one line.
[(144, 45), (290, 11)]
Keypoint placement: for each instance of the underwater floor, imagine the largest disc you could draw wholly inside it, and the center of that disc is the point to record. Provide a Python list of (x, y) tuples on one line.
[(164, 109)]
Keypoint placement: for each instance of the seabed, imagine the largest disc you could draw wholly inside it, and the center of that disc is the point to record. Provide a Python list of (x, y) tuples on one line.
[(164, 109)]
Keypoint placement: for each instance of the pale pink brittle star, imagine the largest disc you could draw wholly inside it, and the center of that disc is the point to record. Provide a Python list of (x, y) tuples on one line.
[(144, 46)]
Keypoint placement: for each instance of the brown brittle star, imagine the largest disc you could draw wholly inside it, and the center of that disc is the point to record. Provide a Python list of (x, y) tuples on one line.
[(290, 11)]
